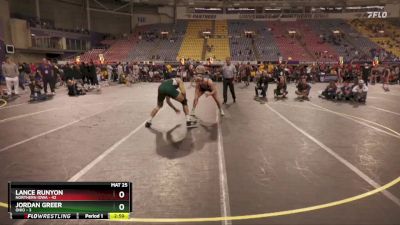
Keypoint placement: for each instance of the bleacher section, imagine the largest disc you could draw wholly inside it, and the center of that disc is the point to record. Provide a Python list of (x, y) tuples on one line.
[(120, 50), (269, 41), (289, 47), (356, 39), (157, 47), (91, 55), (265, 44), (388, 44), (219, 43), (337, 41), (243, 49), (221, 28), (193, 44), (239, 44), (371, 29), (313, 43), (220, 48)]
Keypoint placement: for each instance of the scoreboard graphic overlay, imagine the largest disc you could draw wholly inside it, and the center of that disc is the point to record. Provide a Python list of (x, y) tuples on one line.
[(70, 200)]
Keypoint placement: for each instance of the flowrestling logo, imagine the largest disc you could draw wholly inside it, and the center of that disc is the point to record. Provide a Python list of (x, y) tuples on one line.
[(372, 15)]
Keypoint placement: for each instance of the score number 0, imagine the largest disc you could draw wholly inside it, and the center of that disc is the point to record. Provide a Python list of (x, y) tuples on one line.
[(121, 195)]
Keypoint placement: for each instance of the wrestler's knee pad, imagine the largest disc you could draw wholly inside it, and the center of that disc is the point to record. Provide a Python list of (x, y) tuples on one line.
[(184, 102)]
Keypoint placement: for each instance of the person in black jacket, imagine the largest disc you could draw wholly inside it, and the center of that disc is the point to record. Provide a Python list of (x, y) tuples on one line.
[(92, 74), (70, 80), (262, 84), (366, 73), (84, 73), (74, 80)]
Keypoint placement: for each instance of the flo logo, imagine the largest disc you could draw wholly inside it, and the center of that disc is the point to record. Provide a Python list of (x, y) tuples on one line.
[(377, 14)]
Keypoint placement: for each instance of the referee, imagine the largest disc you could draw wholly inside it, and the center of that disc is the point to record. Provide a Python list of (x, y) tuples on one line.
[(228, 74)]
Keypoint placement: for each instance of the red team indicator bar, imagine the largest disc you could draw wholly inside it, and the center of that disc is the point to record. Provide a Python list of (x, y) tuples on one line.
[(69, 200)]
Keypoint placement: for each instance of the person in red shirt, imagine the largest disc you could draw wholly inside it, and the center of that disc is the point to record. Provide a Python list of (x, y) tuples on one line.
[(33, 68)]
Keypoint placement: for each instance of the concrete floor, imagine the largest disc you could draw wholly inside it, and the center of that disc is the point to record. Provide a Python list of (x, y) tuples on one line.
[(259, 158)]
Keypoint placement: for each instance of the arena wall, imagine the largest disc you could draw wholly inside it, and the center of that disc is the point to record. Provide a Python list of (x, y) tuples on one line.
[(5, 33), (72, 16), (19, 33), (28, 57), (109, 23)]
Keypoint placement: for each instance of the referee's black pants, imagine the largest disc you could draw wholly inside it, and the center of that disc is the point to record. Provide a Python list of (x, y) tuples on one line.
[(228, 82)]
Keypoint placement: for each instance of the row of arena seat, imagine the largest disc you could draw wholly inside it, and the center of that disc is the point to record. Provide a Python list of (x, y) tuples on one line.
[(372, 29), (320, 50), (338, 41), (193, 45), (288, 46), (270, 41), (220, 42), (91, 55), (262, 46), (240, 46), (120, 50), (159, 48), (357, 40), (220, 49), (265, 43)]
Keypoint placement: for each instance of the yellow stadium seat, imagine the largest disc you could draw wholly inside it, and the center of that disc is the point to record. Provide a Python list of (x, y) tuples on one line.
[(193, 44)]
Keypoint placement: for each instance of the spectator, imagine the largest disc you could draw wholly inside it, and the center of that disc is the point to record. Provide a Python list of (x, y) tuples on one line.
[(33, 68), (303, 90), (70, 79), (281, 87), (366, 73), (47, 73), (330, 91), (135, 70), (35, 85), (92, 75), (386, 77), (247, 73), (84, 71), (360, 92), (21, 76), (10, 72), (120, 72), (74, 80), (262, 84), (345, 92), (109, 72)]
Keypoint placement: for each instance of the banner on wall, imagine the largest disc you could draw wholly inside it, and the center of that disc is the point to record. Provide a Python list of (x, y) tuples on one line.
[(283, 16)]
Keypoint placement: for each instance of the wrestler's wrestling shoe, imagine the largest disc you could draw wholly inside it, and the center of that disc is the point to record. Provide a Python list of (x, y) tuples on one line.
[(191, 123)]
